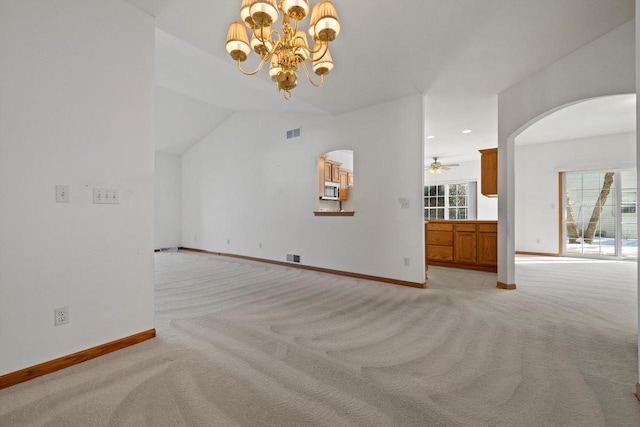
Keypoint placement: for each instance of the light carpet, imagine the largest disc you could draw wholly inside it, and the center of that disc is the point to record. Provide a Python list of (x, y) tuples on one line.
[(249, 344)]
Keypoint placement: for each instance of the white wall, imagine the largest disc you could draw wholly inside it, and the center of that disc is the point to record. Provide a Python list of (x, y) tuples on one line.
[(637, 90), (246, 184), (168, 197), (487, 207), (603, 67), (537, 206), (76, 102)]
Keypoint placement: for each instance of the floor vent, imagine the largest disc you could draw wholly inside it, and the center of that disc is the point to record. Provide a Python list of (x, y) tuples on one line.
[(293, 258)]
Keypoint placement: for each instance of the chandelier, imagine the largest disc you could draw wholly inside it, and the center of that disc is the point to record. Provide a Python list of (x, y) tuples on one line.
[(286, 50)]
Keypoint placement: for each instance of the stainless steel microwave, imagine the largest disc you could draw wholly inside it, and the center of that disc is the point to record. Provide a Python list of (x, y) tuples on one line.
[(331, 191)]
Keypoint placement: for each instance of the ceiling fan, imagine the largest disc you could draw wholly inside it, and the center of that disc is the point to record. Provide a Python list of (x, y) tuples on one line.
[(437, 167)]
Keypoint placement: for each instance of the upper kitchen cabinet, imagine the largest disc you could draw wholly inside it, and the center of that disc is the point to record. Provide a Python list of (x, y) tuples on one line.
[(489, 172)]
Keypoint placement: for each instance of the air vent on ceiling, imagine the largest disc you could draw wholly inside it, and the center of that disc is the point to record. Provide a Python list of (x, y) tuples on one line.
[(293, 133)]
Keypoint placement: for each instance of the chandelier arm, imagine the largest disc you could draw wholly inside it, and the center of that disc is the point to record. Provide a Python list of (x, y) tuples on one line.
[(306, 71), (326, 49), (257, 70)]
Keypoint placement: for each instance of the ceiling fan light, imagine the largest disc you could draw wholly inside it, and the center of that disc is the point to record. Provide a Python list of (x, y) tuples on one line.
[(322, 61), (264, 12), (326, 27), (296, 9), (238, 42)]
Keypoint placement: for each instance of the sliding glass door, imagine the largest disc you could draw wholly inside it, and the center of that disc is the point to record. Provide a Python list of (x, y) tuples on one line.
[(600, 214)]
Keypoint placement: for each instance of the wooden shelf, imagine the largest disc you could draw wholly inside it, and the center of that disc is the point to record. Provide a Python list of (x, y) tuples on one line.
[(348, 213)]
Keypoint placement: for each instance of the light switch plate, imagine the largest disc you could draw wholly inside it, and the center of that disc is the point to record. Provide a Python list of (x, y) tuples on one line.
[(62, 194), (106, 196)]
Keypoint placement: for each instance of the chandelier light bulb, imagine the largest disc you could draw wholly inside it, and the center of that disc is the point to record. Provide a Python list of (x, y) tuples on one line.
[(322, 61), (264, 12), (260, 41), (326, 26), (275, 67), (245, 14), (238, 42), (301, 45), (296, 9)]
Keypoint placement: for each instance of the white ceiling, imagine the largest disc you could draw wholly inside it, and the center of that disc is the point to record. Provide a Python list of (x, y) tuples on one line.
[(460, 53)]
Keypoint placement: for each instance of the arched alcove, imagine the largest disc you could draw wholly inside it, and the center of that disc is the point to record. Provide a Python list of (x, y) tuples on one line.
[(335, 183)]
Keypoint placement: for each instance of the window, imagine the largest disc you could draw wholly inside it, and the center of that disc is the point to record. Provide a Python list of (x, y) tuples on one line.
[(449, 201), (629, 202), (434, 202), (600, 214)]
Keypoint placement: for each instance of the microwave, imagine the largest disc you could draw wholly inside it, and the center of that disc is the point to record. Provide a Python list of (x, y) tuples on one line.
[(331, 191)]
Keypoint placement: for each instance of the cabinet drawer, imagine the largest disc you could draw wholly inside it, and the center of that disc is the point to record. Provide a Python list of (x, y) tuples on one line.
[(444, 238), (432, 226), (488, 228), (441, 253), (465, 227)]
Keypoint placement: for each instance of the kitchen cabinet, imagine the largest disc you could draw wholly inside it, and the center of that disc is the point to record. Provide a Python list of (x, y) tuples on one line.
[(465, 246), (331, 171), (350, 179), (321, 175), (462, 244), (335, 172), (489, 172), (440, 242), (343, 184), (488, 244)]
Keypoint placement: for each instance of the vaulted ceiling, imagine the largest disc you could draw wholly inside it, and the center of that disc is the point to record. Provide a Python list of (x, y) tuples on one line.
[(460, 53)]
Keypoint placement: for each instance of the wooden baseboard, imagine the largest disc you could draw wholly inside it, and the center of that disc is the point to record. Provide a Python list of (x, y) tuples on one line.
[(509, 287), (477, 267), (536, 253), (312, 268), (32, 372), (638, 391)]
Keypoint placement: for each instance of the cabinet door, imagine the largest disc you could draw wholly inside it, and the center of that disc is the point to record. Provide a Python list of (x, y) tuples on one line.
[(335, 173), (465, 247), (487, 248), (343, 185), (321, 178), (327, 172), (350, 179), (489, 172)]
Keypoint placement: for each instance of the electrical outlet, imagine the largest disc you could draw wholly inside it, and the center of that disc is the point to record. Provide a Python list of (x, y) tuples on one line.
[(407, 261), (61, 316)]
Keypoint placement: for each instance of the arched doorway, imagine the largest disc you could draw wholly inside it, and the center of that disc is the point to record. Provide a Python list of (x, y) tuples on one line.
[(575, 178)]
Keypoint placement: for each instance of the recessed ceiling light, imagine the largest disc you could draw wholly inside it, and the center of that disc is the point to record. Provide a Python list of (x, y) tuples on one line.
[(466, 131), (431, 136)]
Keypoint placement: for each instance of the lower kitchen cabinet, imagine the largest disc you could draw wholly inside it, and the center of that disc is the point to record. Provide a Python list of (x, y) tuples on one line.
[(462, 244)]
